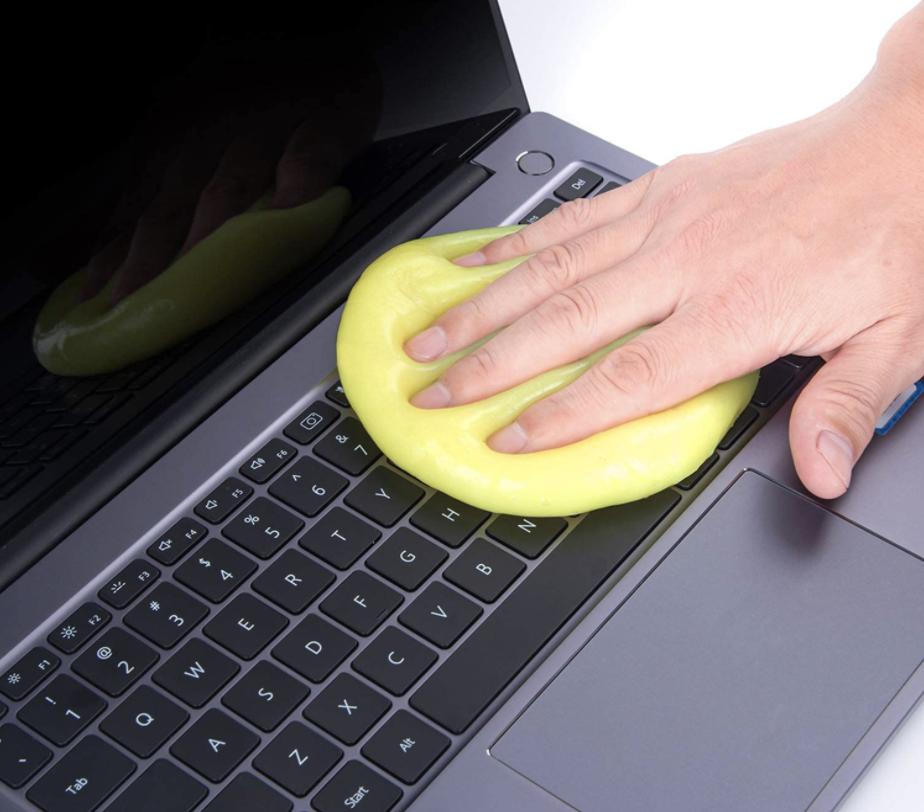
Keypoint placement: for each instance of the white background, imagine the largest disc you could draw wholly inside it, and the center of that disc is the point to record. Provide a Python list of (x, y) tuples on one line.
[(665, 77)]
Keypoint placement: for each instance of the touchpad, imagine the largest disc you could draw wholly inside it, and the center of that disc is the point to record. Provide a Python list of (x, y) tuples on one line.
[(740, 674)]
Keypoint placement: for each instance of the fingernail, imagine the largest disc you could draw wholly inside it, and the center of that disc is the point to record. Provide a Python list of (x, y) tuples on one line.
[(428, 345), (435, 396), (838, 453), (470, 260), (509, 440)]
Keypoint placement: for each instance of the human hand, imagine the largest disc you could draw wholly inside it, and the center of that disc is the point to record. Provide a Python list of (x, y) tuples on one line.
[(806, 239)]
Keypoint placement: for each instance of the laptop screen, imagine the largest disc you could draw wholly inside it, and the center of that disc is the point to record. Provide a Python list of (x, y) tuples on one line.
[(171, 175)]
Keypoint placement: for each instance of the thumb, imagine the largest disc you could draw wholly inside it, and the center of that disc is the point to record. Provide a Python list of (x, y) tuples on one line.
[(834, 418)]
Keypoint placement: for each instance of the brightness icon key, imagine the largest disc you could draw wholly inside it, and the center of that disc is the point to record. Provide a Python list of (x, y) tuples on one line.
[(28, 672), (77, 629)]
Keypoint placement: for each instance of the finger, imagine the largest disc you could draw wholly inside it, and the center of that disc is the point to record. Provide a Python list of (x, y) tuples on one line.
[(244, 173), (311, 164), (568, 221), (162, 229), (554, 269), (833, 419), (693, 350), (569, 325)]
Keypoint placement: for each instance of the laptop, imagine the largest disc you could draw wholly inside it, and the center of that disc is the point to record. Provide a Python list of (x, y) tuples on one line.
[(205, 603)]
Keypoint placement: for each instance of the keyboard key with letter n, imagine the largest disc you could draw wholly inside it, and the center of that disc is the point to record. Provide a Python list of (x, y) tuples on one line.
[(484, 664)]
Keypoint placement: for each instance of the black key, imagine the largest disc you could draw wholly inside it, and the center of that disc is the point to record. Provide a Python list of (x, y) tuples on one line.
[(27, 672), (70, 438), (20, 477), (350, 447), (115, 662), (177, 541), (484, 570), (448, 519), (406, 747), (798, 361), (547, 206), (79, 627), (608, 188), (529, 537), (196, 673), (384, 496), (245, 626), (311, 422), (62, 710), (293, 581), (107, 406), (340, 538), (440, 614), (297, 759), (83, 779), (347, 708), (263, 528), (514, 633), (247, 793), (144, 721), (38, 447), (314, 648), (394, 660), (337, 395), (3, 710), (406, 559), (740, 426), (166, 615), (361, 603), (21, 756), (163, 787), (580, 184), (265, 695), (216, 571), (215, 745), (219, 504), (308, 486), (129, 583), (356, 784), (263, 465), (773, 380), (698, 474)]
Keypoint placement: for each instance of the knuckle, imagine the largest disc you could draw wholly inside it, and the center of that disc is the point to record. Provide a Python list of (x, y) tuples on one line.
[(464, 317), (481, 364), (574, 310), (856, 404), (634, 367), (576, 214), (556, 265)]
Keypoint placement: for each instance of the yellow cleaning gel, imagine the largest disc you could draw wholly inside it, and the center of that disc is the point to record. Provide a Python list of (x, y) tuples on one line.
[(402, 293), (223, 272)]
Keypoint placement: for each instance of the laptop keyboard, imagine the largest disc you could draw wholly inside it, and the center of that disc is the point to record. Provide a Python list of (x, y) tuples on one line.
[(319, 629), (49, 414)]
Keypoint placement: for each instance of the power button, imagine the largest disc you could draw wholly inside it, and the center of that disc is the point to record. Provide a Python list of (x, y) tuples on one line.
[(533, 162)]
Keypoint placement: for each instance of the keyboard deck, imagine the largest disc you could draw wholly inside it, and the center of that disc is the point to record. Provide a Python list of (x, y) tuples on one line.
[(318, 629)]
